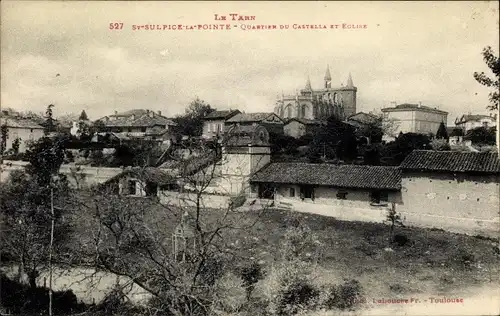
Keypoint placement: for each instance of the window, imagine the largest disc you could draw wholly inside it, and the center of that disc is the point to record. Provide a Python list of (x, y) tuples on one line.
[(289, 109), (143, 129), (292, 192), (342, 195), (208, 127), (307, 192), (31, 130), (132, 187), (378, 197)]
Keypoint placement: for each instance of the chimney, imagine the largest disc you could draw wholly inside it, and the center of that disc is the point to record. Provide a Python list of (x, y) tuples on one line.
[(419, 103), (159, 113), (116, 112), (393, 103), (106, 118)]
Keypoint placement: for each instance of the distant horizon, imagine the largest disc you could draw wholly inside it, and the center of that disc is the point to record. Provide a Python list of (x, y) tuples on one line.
[(409, 52)]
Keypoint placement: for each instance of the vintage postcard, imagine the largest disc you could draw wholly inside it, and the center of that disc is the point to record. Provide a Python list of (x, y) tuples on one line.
[(250, 158)]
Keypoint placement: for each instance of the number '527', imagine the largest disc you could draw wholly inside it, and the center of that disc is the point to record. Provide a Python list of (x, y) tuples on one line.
[(115, 26)]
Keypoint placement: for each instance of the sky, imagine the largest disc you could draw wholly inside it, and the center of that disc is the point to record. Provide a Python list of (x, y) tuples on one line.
[(64, 53)]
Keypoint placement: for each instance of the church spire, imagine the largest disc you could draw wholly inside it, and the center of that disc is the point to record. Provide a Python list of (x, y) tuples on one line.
[(328, 77), (349, 81), (308, 84)]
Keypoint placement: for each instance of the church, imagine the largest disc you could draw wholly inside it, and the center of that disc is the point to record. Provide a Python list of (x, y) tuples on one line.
[(319, 104)]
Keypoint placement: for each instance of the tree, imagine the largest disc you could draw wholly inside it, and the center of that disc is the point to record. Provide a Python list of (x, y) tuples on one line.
[(26, 202), (393, 153), (191, 123), (442, 133), (15, 145), (83, 116), (334, 140), (394, 220), (440, 145), (176, 254), (4, 134), (49, 124), (493, 63), (481, 135)]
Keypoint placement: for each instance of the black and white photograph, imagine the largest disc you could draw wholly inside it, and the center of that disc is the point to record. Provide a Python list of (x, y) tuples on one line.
[(238, 158)]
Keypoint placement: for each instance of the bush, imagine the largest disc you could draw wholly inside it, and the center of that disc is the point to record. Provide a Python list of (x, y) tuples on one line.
[(400, 239), (440, 145), (251, 275), (21, 299), (298, 296), (237, 201), (344, 296), (231, 294)]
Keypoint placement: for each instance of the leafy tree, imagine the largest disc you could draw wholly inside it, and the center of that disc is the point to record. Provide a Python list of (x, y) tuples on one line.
[(27, 213), (50, 124), (4, 134), (440, 144), (83, 116), (15, 145), (335, 140), (493, 63), (191, 123), (394, 220), (395, 152), (481, 135), (442, 133)]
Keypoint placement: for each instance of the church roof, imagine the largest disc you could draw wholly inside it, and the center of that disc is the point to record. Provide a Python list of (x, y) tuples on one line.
[(412, 107), (308, 84), (328, 77), (349, 81)]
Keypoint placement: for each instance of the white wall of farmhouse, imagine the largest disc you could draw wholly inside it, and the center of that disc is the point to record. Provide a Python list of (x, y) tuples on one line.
[(463, 203)]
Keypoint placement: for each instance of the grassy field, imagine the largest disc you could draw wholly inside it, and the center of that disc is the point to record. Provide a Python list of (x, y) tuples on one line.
[(431, 262)]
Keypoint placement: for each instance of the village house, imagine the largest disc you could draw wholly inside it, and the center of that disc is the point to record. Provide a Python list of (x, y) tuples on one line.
[(272, 122), (139, 182), (298, 127), (469, 121), (351, 192), (456, 191), (414, 118), (214, 122), (18, 130), (143, 124)]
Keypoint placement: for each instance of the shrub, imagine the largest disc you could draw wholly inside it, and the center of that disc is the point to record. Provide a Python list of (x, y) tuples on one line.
[(400, 239), (250, 275), (344, 296), (237, 201), (230, 293), (298, 296), (440, 145)]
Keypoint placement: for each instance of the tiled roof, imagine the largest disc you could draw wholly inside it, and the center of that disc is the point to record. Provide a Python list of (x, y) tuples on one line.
[(452, 161), (250, 117), (306, 121), (19, 122), (221, 114), (473, 117), (408, 106), (345, 176), (361, 117), (137, 118)]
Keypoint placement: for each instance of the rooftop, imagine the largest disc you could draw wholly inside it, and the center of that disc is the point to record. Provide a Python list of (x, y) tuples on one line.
[(452, 161), (413, 107), (137, 118), (345, 176), (19, 122), (473, 117), (306, 121), (252, 117), (223, 115)]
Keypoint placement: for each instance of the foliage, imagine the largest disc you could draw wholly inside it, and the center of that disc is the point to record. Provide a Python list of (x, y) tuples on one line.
[(344, 296), (481, 135), (26, 200), (493, 63), (191, 123), (17, 298), (15, 145), (371, 156), (442, 133), (395, 152), (440, 144), (4, 134), (49, 124), (136, 153), (394, 219), (282, 144), (251, 274), (83, 116), (297, 296), (237, 201), (334, 140)]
